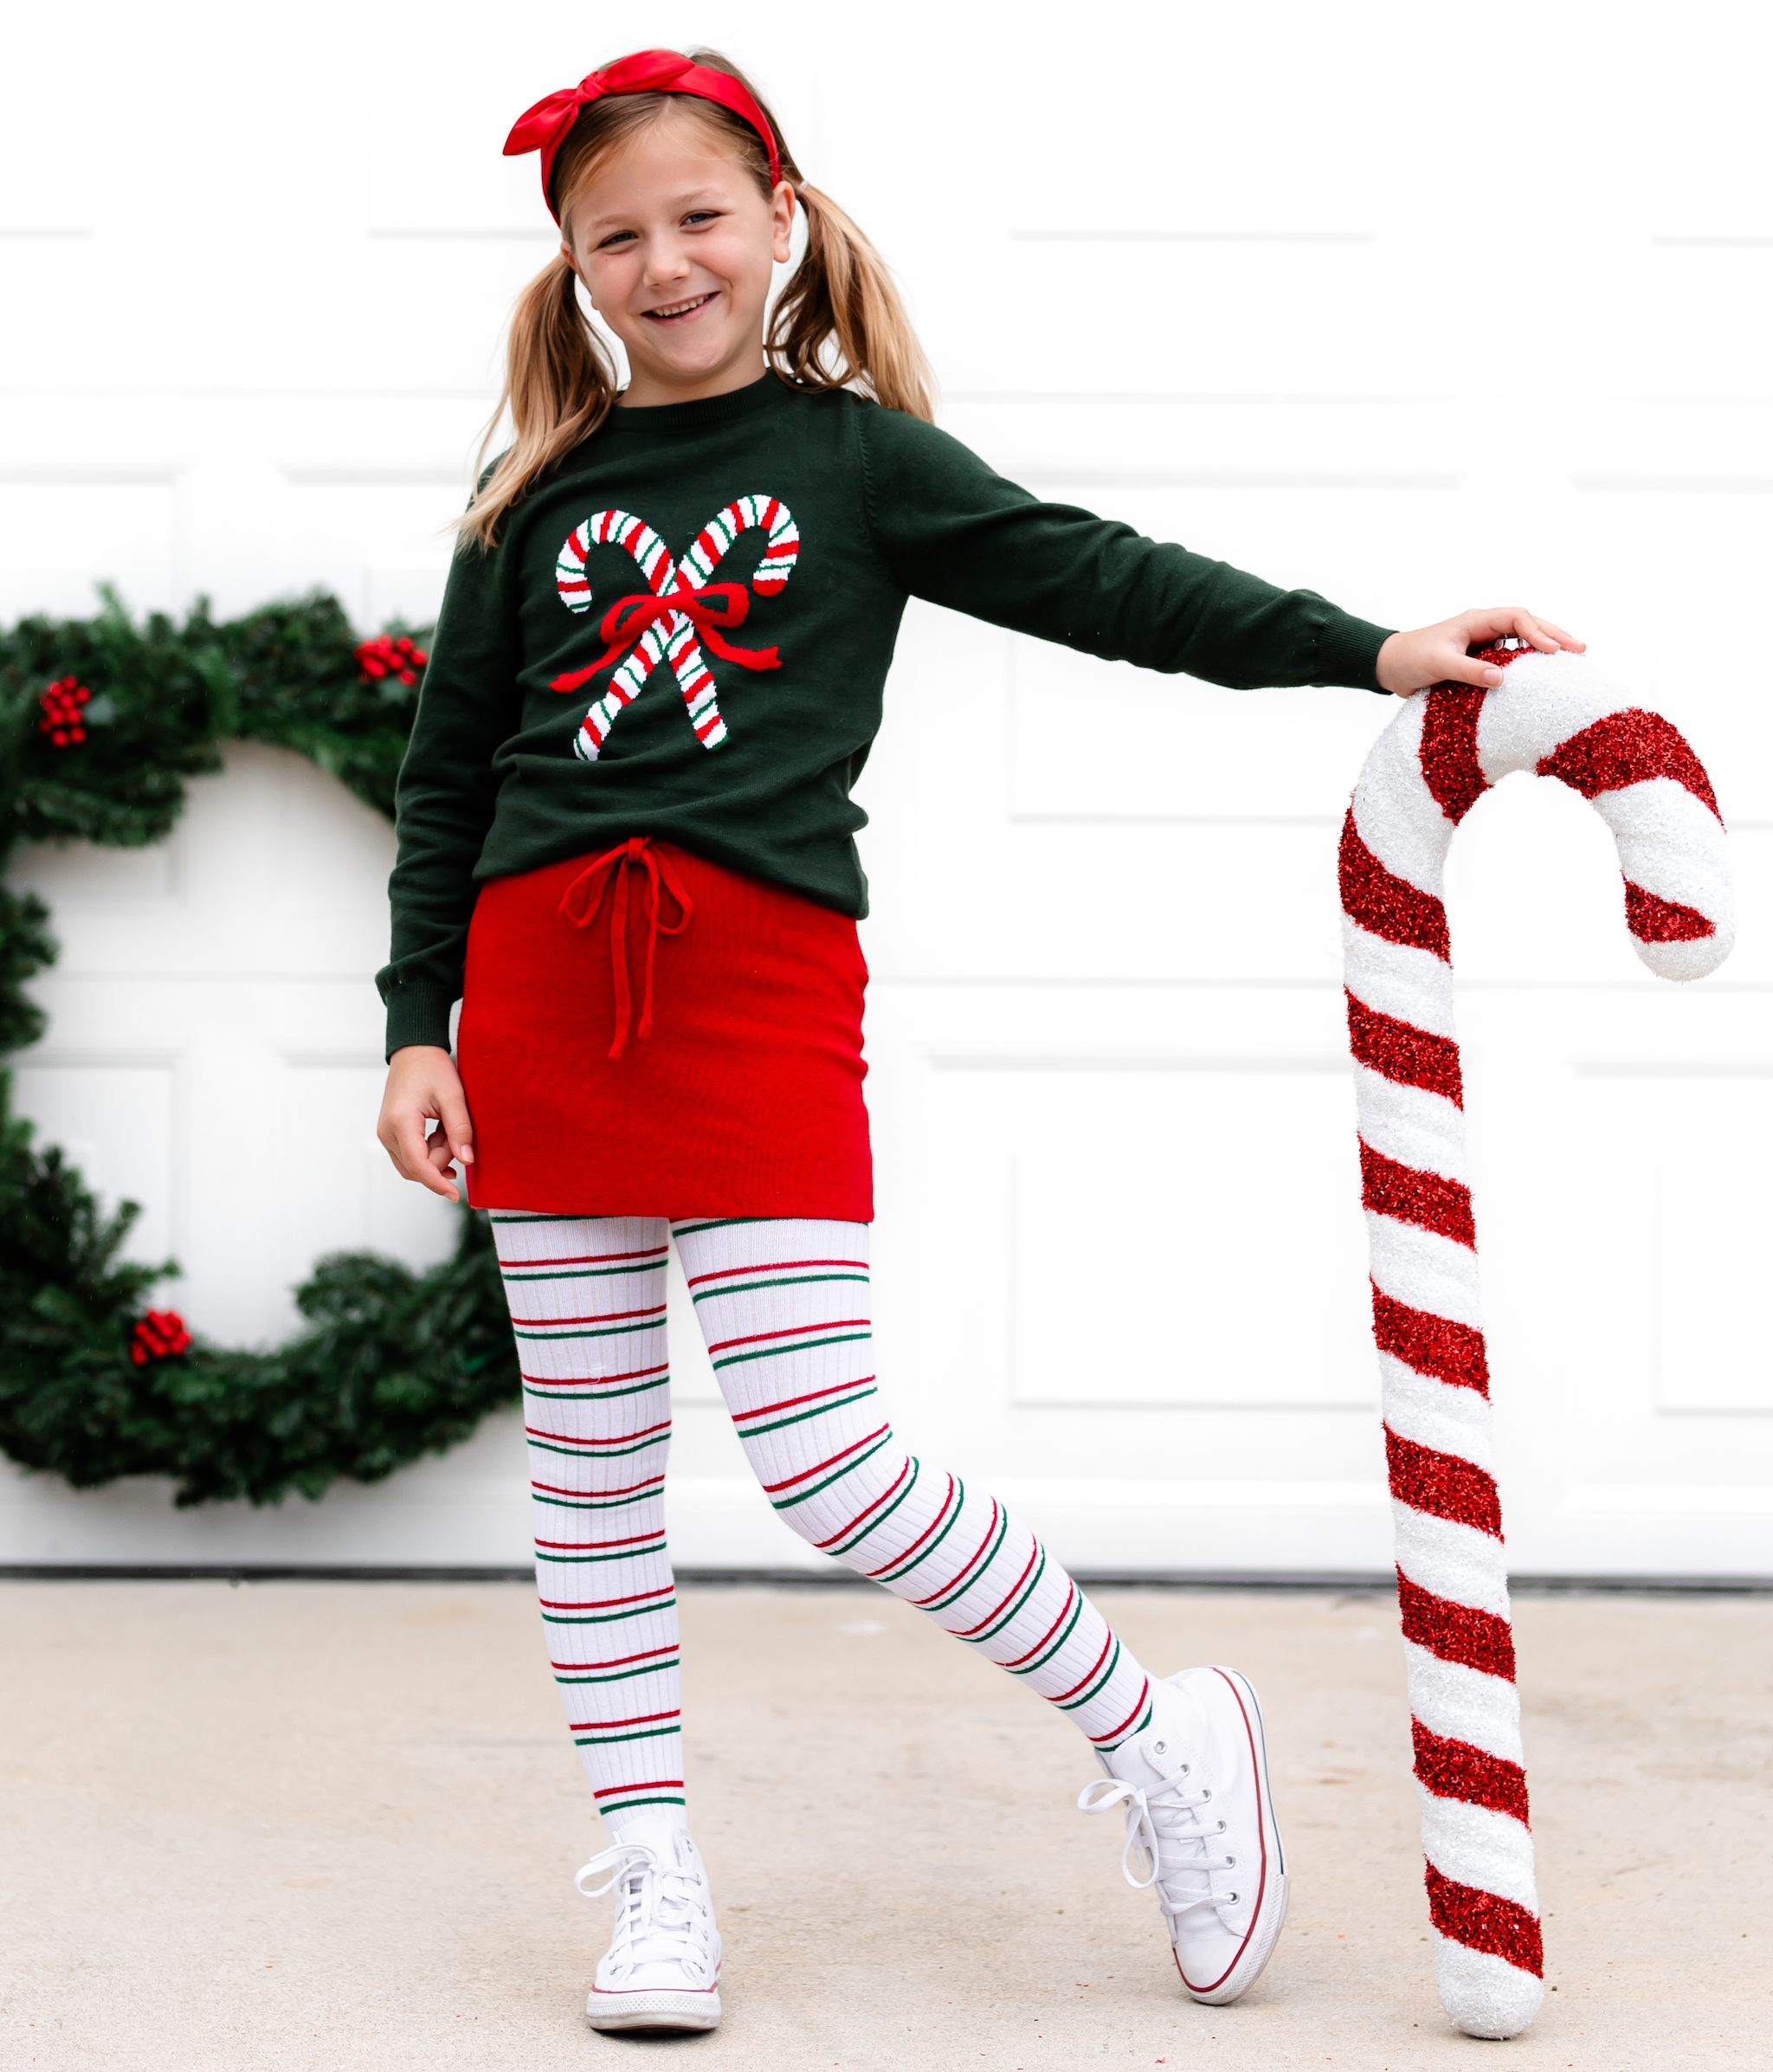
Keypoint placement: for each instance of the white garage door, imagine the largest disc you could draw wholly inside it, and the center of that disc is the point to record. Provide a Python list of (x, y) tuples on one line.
[(1107, 1056)]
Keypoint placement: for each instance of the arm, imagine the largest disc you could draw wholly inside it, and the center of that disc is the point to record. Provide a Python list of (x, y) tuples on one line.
[(948, 529), (444, 803)]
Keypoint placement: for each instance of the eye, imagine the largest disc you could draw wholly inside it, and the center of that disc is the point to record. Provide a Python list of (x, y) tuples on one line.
[(615, 237), (702, 215)]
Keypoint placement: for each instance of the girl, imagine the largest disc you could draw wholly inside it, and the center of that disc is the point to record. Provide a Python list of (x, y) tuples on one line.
[(657, 673)]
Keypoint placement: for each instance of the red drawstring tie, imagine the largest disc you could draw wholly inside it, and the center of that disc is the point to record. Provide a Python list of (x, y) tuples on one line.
[(585, 895)]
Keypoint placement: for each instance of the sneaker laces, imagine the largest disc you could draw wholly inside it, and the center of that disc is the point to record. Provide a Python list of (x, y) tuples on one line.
[(1161, 1821), (662, 1914)]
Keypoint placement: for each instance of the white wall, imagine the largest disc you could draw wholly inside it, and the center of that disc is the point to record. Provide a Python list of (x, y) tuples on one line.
[(1422, 307)]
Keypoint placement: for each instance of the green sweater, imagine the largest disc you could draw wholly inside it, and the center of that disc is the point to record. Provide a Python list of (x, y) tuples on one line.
[(809, 518)]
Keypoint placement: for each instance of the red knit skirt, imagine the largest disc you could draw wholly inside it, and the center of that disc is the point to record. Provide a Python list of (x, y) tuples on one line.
[(742, 1097)]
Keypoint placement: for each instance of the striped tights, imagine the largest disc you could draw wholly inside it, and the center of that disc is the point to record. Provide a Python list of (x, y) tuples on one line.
[(784, 1309)]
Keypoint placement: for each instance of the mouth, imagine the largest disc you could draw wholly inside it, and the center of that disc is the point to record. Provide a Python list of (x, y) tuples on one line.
[(674, 312)]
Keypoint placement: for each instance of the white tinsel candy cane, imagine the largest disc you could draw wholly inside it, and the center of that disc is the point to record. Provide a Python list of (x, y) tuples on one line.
[(1553, 714)]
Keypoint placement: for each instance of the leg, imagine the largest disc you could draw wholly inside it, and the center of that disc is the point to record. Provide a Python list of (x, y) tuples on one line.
[(784, 1308), (587, 1298)]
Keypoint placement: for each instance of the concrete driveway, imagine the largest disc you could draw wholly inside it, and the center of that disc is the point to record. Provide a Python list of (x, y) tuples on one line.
[(334, 1825)]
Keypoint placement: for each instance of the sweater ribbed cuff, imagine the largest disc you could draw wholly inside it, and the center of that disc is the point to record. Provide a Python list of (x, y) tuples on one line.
[(1348, 653), (418, 1013)]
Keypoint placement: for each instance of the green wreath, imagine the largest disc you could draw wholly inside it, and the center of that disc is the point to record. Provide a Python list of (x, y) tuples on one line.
[(103, 721)]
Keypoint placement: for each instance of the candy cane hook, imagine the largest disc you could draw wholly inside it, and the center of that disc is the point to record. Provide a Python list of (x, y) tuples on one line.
[(1551, 714)]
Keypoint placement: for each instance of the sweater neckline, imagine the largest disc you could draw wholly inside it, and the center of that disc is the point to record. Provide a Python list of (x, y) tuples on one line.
[(668, 419)]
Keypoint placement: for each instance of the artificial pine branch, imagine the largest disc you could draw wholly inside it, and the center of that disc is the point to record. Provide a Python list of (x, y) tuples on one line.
[(391, 1365)]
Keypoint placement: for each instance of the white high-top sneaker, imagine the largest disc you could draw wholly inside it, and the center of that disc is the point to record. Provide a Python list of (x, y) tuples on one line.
[(662, 1968), (1194, 1784)]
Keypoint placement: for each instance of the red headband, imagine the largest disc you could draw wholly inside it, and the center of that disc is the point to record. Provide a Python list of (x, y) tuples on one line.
[(544, 128)]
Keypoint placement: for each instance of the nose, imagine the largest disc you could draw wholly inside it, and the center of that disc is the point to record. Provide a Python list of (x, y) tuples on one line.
[(666, 259)]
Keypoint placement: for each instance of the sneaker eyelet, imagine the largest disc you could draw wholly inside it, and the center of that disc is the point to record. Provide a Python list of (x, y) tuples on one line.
[(1206, 1793), (1157, 1748), (1231, 1863), (1233, 1900)]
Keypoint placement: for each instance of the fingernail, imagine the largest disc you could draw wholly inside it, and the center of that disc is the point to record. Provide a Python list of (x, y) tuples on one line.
[(1492, 677)]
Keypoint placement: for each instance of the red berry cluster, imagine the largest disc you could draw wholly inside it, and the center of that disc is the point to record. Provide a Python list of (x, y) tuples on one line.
[(64, 712), (391, 655), (157, 1336)]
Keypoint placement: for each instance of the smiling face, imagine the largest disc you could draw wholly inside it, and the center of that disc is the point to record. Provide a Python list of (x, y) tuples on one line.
[(675, 240)]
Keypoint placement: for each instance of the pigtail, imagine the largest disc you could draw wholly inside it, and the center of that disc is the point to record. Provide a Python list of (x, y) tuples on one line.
[(841, 294), (560, 386)]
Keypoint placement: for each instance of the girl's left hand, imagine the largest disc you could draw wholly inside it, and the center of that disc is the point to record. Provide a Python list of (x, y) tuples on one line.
[(1411, 661)]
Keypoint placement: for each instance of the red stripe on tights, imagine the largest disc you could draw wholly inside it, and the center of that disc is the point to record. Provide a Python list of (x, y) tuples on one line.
[(1059, 1697), (757, 1338), (615, 1661), (789, 1403), (969, 1570), (844, 1532), (946, 1505), (1070, 1599), (770, 1266), (965, 1632), (1144, 1691), (769, 1489)]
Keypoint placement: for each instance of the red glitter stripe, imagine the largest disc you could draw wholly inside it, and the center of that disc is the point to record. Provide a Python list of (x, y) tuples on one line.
[(1456, 1770), (1400, 1051), (1386, 905), (1449, 750), (1443, 1484), (1652, 920), (1455, 1632), (1483, 1920), (1425, 1199), (1628, 748), (1451, 1353)]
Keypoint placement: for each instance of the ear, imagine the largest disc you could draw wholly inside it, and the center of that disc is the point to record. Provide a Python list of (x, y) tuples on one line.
[(782, 207), (571, 259)]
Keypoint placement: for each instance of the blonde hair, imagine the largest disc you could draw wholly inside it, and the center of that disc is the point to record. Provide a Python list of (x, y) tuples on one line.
[(838, 323)]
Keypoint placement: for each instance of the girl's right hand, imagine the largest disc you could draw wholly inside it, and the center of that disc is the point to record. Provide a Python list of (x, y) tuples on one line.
[(424, 1087)]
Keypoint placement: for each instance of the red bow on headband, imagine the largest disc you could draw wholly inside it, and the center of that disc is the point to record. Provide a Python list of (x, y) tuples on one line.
[(544, 128)]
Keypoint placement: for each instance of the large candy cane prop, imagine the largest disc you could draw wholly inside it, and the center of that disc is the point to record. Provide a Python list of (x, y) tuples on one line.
[(1552, 714), (674, 639)]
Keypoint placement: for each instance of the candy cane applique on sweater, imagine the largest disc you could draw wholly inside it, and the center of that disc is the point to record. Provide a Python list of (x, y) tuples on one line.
[(1552, 714), (686, 609)]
